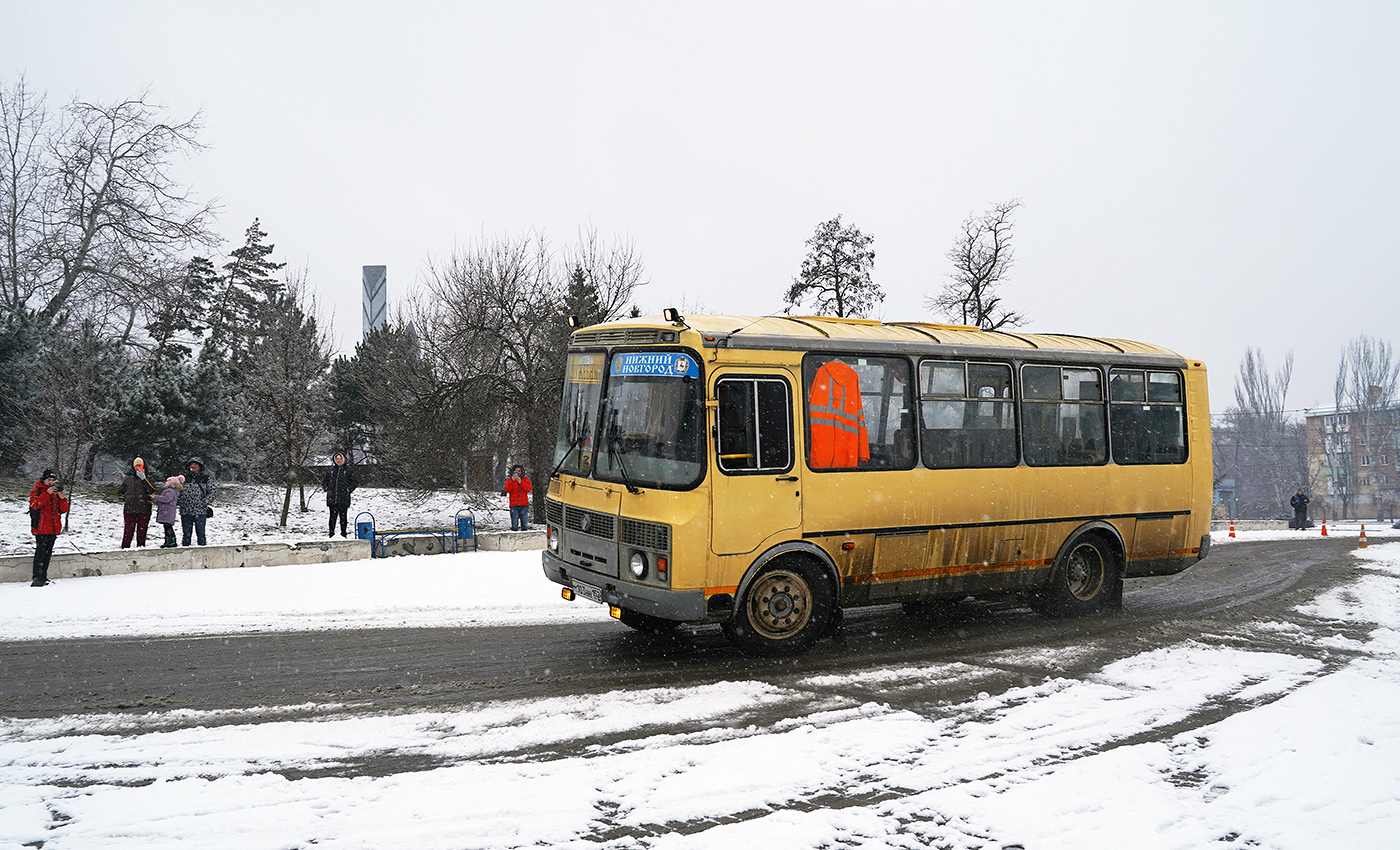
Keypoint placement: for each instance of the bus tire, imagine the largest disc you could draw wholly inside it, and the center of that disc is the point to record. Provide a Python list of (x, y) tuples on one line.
[(785, 609), (1086, 579), (646, 623)]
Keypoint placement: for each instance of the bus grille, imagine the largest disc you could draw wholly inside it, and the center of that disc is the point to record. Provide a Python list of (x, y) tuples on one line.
[(646, 535), (624, 336), (553, 512), (592, 523)]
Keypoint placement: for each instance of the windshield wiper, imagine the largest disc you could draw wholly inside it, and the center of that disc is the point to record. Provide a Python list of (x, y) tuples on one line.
[(578, 441), (614, 441)]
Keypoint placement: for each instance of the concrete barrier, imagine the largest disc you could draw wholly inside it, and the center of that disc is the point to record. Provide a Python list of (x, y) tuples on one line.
[(85, 564), (1250, 525), (511, 541)]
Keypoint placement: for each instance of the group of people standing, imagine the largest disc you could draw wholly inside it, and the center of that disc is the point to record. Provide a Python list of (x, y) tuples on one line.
[(189, 496)]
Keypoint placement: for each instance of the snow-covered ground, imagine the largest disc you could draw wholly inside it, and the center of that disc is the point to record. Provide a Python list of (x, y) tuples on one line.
[(1306, 759)]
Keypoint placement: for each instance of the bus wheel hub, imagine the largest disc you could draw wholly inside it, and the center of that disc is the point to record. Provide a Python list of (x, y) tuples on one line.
[(781, 603)]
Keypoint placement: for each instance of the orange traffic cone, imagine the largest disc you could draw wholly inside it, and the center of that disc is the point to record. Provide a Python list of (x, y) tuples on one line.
[(1362, 543), (1232, 528), (1324, 528)]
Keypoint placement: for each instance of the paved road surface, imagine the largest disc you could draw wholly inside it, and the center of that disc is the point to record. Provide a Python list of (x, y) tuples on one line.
[(406, 669)]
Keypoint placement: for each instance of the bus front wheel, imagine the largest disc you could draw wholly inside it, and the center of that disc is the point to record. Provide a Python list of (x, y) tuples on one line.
[(1085, 580), (785, 609)]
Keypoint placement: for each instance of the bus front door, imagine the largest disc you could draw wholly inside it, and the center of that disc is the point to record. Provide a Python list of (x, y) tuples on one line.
[(756, 490)]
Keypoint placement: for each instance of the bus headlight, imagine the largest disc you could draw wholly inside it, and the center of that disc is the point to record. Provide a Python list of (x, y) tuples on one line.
[(638, 565), (552, 539)]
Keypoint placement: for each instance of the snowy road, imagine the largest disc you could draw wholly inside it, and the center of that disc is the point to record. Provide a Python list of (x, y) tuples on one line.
[(1184, 722)]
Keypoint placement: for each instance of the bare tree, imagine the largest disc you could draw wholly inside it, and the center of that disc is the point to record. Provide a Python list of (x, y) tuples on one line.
[(835, 276), (612, 273), (490, 326), (115, 206), (1266, 448), (1365, 393), (284, 397), (490, 321), (981, 257), (23, 165)]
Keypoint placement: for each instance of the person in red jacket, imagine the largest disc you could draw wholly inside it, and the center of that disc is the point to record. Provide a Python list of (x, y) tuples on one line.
[(518, 489), (47, 505)]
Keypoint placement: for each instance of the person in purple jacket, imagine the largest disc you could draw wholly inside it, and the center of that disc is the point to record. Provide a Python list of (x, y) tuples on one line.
[(165, 508)]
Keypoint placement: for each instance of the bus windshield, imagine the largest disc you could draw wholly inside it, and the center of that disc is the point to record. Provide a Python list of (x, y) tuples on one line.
[(583, 385), (653, 418)]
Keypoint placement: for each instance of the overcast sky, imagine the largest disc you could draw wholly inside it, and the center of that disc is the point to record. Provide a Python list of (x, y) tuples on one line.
[(1204, 176)]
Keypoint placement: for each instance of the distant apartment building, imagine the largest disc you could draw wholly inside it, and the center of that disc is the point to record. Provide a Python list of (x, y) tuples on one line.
[(1354, 463)]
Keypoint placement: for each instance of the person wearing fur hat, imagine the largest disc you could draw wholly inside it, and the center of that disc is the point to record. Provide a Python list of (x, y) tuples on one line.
[(136, 491), (165, 508), (195, 501), (47, 505)]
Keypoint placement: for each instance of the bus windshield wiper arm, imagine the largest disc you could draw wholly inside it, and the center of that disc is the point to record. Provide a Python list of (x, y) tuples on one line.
[(578, 441), (613, 443)]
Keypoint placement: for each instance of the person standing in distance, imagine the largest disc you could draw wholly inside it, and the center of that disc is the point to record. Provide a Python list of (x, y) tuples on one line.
[(47, 504), (1299, 502), (518, 490), (194, 501), (338, 482)]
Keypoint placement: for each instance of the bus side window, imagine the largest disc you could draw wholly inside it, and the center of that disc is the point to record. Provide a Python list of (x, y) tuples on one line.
[(968, 416), (860, 413), (754, 425), (1063, 410)]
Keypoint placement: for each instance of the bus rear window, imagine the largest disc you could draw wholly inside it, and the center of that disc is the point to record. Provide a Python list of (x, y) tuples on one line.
[(1147, 416)]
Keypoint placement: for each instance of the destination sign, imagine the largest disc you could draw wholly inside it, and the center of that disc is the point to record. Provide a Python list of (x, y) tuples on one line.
[(668, 364)]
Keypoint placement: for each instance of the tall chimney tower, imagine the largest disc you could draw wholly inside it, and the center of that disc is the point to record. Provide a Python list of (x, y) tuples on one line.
[(376, 281)]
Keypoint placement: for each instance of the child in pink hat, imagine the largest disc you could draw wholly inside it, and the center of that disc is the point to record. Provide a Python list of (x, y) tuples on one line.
[(165, 508)]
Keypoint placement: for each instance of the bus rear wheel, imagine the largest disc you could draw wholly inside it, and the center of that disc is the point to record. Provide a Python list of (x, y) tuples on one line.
[(784, 611), (1085, 580)]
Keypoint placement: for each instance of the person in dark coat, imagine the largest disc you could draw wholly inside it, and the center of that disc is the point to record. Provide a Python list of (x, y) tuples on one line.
[(1300, 509), (136, 491), (338, 482), (194, 501), (47, 505)]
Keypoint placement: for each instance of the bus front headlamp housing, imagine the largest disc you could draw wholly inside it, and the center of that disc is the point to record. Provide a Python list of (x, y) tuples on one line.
[(638, 565), (552, 539)]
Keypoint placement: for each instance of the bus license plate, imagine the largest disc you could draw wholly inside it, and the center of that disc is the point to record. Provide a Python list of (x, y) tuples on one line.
[(589, 592)]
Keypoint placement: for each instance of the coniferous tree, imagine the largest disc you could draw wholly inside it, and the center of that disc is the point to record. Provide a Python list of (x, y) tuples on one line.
[(249, 282), (182, 316), (180, 411), (79, 375), (20, 333), (283, 396)]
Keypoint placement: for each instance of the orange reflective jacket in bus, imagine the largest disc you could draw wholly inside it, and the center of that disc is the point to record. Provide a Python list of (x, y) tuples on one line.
[(839, 440)]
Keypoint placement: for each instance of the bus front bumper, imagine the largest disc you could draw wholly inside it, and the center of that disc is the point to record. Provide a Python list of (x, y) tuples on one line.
[(686, 606)]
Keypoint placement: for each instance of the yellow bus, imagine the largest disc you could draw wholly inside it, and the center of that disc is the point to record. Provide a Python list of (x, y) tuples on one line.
[(766, 472)]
